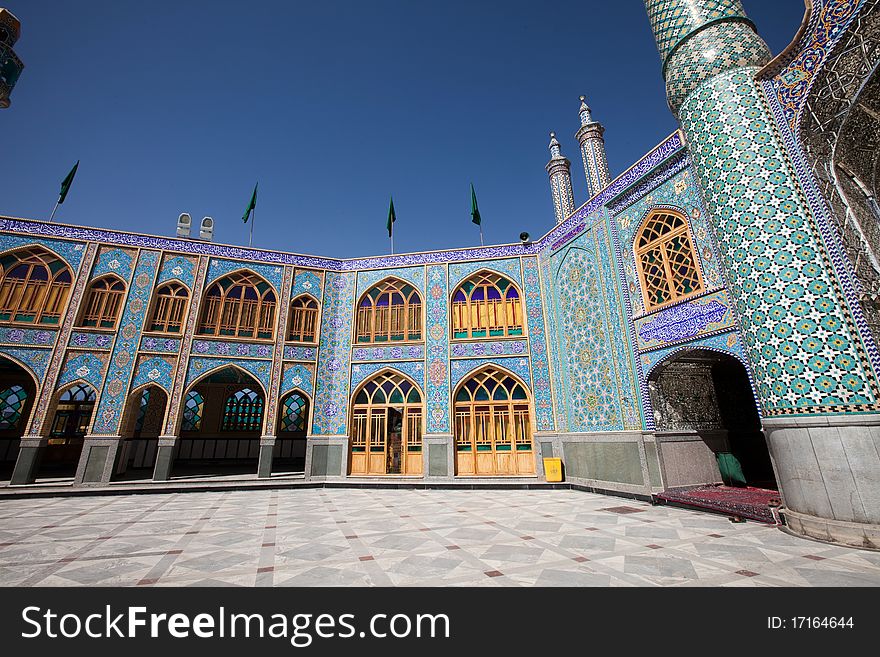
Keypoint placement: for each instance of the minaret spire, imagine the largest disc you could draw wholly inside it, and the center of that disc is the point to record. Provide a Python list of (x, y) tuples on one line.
[(592, 144), (559, 170)]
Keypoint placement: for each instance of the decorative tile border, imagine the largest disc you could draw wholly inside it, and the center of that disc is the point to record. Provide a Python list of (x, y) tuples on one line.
[(685, 321), (402, 352), (298, 376), (27, 337), (113, 261), (70, 252), (460, 369), (489, 348), (259, 369), (307, 282), (87, 340), (541, 390), (111, 403), (85, 366), (412, 275), (362, 371), (294, 352), (437, 347), (179, 268), (270, 417), (220, 267), (459, 271), (202, 347), (160, 345)]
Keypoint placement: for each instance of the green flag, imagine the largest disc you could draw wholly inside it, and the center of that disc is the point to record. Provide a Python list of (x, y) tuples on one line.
[(251, 205), (475, 211), (66, 183), (391, 217)]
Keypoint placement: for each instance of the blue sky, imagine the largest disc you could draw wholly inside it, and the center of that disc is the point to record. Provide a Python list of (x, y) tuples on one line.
[(332, 106)]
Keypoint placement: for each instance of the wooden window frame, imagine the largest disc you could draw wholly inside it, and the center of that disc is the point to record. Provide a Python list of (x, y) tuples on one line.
[(659, 243), (482, 315), (299, 336), (217, 311), (405, 319), (45, 300), (103, 305), (163, 310)]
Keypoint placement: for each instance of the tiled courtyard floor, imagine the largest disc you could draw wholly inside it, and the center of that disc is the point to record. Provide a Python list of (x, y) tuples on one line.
[(340, 537)]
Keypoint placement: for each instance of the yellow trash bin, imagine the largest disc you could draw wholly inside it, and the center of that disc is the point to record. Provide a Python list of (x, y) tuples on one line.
[(553, 469)]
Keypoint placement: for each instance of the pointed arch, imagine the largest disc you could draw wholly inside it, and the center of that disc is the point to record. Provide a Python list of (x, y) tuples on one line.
[(103, 302), (35, 284), (304, 321), (24, 366), (222, 366), (294, 417), (239, 304), (387, 423), (666, 260), (390, 311), (486, 305), (493, 424), (170, 303)]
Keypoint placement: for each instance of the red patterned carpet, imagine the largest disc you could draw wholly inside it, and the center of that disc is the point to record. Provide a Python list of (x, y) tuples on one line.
[(747, 502)]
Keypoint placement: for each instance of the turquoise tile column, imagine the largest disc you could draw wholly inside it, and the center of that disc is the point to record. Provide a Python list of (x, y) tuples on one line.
[(810, 364)]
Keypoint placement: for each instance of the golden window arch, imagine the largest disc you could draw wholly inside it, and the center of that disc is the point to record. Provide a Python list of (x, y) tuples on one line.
[(493, 425), (303, 319), (666, 261), (389, 312), (240, 305), (486, 305), (169, 308), (34, 286), (386, 426), (103, 304)]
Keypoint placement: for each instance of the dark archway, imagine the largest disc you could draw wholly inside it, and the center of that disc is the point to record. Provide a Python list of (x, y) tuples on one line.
[(71, 417), (17, 392), (221, 425), (141, 427), (289, 454), (703, 396)]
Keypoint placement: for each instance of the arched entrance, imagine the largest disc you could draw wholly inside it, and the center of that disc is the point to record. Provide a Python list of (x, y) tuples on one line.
[(386, 427), (706, 395), (289, 454), (141, 427), (221, 424), (17, 392), (493, 426), (71, 419)]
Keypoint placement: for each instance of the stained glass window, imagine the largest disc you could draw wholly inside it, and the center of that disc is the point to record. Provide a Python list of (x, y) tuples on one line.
[(192, 411), (142, 411), (12, 402), (34, 285), (294, 413), (486, 305), (243, 412), (389, 312), (667, 263)]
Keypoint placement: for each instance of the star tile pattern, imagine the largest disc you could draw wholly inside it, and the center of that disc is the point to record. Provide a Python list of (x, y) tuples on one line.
[(332, 537)]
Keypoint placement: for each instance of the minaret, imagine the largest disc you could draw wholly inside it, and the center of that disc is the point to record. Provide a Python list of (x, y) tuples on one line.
[(808, 346), (10, 65), (592, 151), (559, 169)]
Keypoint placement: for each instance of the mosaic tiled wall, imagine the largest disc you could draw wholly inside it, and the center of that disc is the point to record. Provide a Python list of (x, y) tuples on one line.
[(362, 371), (298, 376), (26, 337), (727, 343), (307, 282), (241, 349), (685, 321), (85, 366), (541, 389), (679, 193), (798, 332), (460, 270), (180, 268), (331, 395), (598, 373), (70, 252), (294, 352), (114, 261), (414, 275), (87, 340), (403, 352), (461, 369), (220, 267), (156, 370), (437, 346), (161, 345), (259, 369), (269, 421), (111, 403), (671, 21), (35, 360)]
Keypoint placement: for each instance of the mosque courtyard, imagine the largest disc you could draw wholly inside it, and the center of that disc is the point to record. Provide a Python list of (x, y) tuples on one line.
[(363, 537)]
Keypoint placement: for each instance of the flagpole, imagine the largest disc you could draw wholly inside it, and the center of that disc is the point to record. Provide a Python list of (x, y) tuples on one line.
[(392, 240), (481, 232), (253, 221), (53, 212)]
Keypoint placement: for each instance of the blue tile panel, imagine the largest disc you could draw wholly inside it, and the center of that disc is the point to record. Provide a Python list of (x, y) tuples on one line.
[(240, 349), (27, 337), (360, 372), (685, 321), (437, 346)]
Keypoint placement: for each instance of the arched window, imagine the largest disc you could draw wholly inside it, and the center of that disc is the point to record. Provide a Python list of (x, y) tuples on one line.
[(386, 427), (243, 411), (303, 319), (34, 287), (192, 411), (103, 303), (170, 308), (294, 413), (12, 401), (667, 263), (389, 312), (73, 414), (493, 433), (239, 305), (486, 305)]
